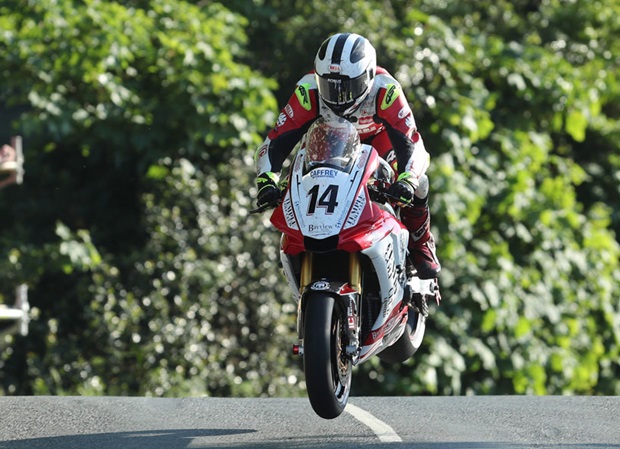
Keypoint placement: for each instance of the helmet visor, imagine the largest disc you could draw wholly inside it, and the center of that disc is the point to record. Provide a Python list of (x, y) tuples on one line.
[(341, 91)]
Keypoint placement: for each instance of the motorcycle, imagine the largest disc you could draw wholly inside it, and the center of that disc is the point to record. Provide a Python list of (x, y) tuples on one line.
[(344, 254)]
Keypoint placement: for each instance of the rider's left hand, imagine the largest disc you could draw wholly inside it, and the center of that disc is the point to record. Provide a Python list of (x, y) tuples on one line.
[(403, 189)]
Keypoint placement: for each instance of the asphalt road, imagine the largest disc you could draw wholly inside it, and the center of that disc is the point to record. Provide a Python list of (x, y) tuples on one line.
[(480, 422)]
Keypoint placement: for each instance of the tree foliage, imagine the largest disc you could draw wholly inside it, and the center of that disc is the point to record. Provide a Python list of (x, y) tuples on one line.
[(148, 276)]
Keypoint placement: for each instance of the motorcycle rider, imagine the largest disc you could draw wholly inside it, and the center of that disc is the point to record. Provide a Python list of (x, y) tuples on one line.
[(346, 82)]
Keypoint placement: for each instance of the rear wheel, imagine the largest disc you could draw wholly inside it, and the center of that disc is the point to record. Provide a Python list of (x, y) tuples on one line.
[(409, 342), (327, 368)]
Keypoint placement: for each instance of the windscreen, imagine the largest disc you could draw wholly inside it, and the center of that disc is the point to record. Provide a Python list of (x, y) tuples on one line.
[(333, 144)]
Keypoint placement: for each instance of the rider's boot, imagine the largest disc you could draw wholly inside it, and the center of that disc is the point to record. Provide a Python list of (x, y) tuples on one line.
[(417, 219), (8, 158), (415, 300)]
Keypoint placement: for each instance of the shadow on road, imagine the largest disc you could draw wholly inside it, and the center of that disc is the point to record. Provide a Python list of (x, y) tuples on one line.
[(153, 439)]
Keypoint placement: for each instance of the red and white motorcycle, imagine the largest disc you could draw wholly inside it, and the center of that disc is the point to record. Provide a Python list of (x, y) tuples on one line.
[(344, 254)]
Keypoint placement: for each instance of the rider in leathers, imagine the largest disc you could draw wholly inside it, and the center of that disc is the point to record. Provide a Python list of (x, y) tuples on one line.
[(346, 82)]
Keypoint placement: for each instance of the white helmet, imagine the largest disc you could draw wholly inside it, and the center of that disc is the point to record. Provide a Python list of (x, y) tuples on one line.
[(345, 68)]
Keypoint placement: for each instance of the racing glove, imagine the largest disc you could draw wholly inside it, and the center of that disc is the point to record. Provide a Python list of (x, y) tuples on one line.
[(283, 186), (404, 188), (268, 191)]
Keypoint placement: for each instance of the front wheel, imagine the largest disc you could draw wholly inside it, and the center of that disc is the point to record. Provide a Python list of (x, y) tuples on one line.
[(327, 368)]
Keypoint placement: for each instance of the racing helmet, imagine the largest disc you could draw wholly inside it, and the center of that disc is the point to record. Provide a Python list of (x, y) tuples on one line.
[(345, 68)]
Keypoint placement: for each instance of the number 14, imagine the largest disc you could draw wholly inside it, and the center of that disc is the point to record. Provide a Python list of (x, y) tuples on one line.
[(326, 200)]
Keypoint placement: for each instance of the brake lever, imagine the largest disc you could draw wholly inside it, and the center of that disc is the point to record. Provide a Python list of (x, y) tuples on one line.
[(259, 209), (396, 201), (392, 199), (264, 207)]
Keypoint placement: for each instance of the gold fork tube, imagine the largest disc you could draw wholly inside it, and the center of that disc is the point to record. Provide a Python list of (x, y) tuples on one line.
[(355, 272), (306, 271)]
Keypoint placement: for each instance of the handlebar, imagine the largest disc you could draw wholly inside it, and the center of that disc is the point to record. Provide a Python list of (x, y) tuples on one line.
[(262, 208)]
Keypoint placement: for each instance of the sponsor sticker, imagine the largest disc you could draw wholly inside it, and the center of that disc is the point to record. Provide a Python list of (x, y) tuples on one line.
[(320, 285), (323, 173), (281, 120), (391, 94), (320, 227), (356, 211), (289, 110), (289, 214), (261, 151), (303, 95)]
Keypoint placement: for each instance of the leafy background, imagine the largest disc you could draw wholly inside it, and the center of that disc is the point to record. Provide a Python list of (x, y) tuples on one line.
[(146, 274)]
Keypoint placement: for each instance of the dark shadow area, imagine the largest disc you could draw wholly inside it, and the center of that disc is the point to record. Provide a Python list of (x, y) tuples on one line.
[(153, 439), (199, 439)]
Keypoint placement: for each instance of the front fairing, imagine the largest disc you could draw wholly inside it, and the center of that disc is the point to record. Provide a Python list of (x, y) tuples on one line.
[(321, 199), (323, 202)]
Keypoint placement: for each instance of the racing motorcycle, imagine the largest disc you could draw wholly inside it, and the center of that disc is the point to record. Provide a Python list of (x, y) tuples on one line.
[(344, 254)]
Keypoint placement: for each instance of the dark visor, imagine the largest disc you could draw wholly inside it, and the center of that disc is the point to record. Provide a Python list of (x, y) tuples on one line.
[(342, 91)]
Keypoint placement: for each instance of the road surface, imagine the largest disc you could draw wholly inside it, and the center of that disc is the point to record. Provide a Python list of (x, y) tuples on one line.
[(474, 422)]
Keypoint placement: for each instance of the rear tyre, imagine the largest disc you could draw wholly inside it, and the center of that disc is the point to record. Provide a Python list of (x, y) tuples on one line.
[(409, 342), (327, 368)]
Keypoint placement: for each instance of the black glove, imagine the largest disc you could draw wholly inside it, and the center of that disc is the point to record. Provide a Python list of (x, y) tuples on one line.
[(268, 191), (283, 186), (403, 189)]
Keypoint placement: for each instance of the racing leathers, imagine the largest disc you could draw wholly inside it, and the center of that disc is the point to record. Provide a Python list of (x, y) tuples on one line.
[(384, 120)]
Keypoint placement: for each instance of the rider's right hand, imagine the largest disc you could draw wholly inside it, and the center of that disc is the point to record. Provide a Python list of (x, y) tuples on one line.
[(268, 191)]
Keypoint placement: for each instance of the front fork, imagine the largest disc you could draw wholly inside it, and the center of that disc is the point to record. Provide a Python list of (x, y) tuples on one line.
[(355, 272), (348, 293)]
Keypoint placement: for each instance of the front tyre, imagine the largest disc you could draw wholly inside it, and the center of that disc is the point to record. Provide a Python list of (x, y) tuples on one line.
[(327, 368)]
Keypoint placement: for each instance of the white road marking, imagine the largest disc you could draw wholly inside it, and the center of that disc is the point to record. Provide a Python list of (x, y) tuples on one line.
[(384, 432)]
